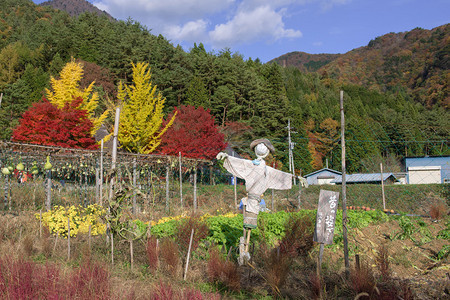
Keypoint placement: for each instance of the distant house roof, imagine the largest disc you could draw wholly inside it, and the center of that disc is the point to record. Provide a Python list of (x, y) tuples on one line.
[(323, 170), (365, 178)]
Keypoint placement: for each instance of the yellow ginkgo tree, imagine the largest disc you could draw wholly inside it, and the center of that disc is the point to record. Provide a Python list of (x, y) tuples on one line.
[(141, 117), (67, 87)]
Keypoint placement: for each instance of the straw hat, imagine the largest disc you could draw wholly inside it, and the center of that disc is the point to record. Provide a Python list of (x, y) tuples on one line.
[(265, 142)]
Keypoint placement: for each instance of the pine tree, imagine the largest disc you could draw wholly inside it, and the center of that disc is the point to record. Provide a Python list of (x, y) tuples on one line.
[(142, 112)]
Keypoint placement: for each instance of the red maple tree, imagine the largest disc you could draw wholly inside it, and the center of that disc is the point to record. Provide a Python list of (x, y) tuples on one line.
[(193, 133), (46, 124)]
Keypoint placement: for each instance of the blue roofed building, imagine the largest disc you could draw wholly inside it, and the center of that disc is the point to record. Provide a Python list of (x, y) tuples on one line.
[(322, 176), (371, 178), (427, 169)]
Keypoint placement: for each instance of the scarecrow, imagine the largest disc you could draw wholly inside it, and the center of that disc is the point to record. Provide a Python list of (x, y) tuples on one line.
[(258, 178)]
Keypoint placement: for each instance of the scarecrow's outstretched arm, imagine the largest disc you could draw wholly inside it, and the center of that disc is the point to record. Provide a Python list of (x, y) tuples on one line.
[(221, 156)]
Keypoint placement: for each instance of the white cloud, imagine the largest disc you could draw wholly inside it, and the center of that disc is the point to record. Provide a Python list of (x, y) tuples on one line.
[(193, 31), (171, 10), (261, 23), (221, 23)]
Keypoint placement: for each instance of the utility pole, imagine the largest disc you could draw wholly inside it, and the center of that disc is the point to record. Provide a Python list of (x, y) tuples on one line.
[(291, 155)]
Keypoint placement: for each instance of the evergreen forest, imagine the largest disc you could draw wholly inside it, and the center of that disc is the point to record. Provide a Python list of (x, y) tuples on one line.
[(386, 117)]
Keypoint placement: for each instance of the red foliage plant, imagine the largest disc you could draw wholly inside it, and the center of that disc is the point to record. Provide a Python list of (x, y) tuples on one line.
[(193, 133), (46, 124)]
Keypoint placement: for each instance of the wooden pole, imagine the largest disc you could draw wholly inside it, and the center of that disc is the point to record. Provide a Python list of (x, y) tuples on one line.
[(40, 223), (68, 238), (97, 184), (101, 175), (320, 256), (131, 254), (56, 242), (112, 248), (167, 187), (181, 180), (235, 192), (48, 203), (90, 228), (1, 98), (382, 186), (114, 153), (344, 186), (195, 189), (247, 242), (134, 186), (188, 254), (272, 198)]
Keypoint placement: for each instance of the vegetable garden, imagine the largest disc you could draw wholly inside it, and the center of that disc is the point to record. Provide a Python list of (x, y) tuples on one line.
[(175, 237)]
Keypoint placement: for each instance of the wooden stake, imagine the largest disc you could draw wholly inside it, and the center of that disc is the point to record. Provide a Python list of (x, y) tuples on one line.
[(320, 257), (112, 248), (195, 189), (89, 237), (167, 187), (134, 208), (181, 180), (56, 241), (49, 191), (344, 186), (188, 254), (131, 254), (235, 192), (382, 186), (40, 223), (114, 153), (68, 238), (247, 243), (101, 175)]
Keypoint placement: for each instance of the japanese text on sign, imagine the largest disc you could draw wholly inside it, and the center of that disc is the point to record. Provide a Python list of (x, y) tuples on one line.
[(326, 216)]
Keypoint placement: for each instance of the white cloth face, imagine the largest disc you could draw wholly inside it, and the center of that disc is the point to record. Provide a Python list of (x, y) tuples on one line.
[(261, 150)]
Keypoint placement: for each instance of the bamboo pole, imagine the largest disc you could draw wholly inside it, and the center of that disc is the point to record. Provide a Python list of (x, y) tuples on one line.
[(112, 249), (114, 153), (382, 186), (195, 189), (344, 186), (181, 180), (90, 228), (188, 254), (97, 183), (134, 186), (167, 187), (56, 242), (40, 223), (68, 238), (131, 254), (235, 192), (48, 203), (101, 175)]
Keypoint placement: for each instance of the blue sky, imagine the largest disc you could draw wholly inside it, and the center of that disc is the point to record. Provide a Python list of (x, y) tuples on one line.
[(266, 29)]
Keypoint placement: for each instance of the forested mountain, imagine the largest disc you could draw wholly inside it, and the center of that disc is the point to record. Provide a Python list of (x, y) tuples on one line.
[(247, 98), (75, 7), (417, 61), (305, 62)]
